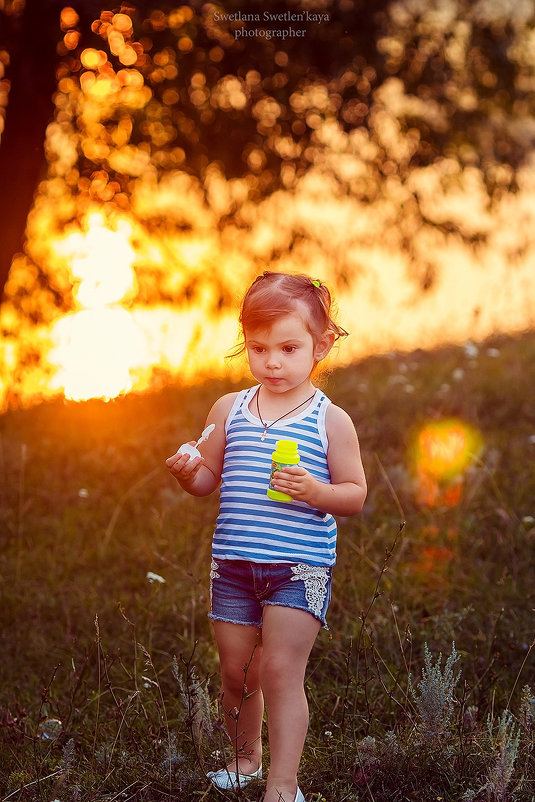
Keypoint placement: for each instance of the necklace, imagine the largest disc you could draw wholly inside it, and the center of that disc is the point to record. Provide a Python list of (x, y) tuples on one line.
[(265, 425)]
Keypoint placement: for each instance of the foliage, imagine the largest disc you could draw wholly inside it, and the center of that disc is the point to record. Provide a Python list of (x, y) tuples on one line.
[(420, 112), (108, 677), (388, 150)]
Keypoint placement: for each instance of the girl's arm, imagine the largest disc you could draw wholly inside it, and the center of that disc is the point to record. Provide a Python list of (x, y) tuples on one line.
[(200, 476), (345, 493)]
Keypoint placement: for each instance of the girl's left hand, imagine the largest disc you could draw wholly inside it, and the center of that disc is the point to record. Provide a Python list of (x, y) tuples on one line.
[(297, 483)]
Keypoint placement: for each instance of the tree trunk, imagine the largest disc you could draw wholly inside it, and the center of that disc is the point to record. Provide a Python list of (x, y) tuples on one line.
[(31, 42)]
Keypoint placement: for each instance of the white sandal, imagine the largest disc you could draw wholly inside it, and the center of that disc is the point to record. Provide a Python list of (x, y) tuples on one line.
[(228, 780)]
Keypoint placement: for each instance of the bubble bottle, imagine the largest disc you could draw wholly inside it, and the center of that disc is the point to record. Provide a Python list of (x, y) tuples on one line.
[(285, 454)]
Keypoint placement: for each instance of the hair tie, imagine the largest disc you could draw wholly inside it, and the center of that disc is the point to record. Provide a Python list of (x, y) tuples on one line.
[(316, 283)]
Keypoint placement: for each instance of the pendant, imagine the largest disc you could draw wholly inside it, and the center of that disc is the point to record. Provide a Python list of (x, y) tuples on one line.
[(264, 435)]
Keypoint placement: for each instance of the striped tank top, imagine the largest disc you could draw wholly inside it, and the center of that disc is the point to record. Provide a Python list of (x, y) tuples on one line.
[(251, 526)]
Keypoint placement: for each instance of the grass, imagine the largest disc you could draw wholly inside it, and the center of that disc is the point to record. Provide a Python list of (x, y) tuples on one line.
[(421, 689)]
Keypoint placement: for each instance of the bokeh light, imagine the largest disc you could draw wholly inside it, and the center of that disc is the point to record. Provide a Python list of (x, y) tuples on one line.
[(440, 456)]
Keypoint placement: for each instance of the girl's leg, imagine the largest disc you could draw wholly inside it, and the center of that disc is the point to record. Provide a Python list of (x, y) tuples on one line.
[(287, 636), (240, 646)]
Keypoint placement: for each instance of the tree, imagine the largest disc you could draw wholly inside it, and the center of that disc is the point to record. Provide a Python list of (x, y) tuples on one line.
[(31, 41), (30, 37)]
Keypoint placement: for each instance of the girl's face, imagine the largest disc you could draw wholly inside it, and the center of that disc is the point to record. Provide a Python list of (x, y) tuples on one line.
[(283, 356)]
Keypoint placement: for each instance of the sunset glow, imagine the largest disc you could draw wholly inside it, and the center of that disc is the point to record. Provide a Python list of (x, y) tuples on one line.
[(96, 348), (108, 346), (95, 352), (101, 262)]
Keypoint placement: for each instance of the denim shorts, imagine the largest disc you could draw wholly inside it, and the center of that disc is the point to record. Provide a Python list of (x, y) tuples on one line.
[(239, 590)]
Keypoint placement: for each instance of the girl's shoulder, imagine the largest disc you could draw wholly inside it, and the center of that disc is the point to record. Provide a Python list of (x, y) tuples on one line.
[(224, 405), (337, 419)]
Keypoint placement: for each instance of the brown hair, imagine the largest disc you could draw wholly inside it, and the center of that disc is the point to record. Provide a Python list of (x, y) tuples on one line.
[(273, 295)]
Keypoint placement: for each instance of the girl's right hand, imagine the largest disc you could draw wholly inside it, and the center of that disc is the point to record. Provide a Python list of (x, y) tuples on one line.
[(182, 466)]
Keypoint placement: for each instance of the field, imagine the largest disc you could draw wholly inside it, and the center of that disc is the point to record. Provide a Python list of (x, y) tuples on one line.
[(424, 687)]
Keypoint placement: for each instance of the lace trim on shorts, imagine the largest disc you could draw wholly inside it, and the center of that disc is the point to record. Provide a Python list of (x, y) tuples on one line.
[(315, 578), (213, 575)]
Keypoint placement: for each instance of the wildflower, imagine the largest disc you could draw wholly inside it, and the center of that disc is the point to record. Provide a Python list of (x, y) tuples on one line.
[(471, 350), (527, 708), (398, 378), (155, 578), (368, 758), (196, 701), (528, 519), (391, 744), (470, 717), (435, 699), (67, 761), (505, 743), (328, 734), (172, 756)]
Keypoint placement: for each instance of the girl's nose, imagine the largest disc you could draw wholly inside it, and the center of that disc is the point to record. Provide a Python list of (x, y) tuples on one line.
[(272, 361)]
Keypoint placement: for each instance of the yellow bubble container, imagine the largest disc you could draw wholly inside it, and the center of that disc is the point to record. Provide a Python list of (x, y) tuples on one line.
[(285, 454)]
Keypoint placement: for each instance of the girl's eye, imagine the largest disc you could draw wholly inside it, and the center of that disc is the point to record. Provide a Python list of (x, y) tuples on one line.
[(289, 349)]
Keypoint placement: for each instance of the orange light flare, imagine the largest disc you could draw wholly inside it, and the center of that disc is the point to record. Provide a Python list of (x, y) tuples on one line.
[(435, 551), (442, 453)]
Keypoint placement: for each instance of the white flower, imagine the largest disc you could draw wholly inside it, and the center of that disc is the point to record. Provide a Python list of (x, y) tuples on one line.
[(471, 350), (155, 577), (528, 519), (398, 378)]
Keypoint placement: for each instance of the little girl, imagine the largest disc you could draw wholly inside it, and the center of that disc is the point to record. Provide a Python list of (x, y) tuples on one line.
[(272, 560)]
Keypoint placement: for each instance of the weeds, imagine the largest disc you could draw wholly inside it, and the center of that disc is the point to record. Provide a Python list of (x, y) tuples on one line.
[(434, 694), (198, 707), (504, 739), (97, 702)]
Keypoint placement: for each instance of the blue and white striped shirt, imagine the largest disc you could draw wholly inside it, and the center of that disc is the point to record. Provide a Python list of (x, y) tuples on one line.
[(251, 526)]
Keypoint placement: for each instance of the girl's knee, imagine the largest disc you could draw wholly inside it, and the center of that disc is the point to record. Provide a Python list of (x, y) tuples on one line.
[(278, 670), (236, 680)]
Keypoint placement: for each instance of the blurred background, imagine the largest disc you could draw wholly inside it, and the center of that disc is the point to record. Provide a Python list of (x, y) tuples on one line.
[(155, 157)]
